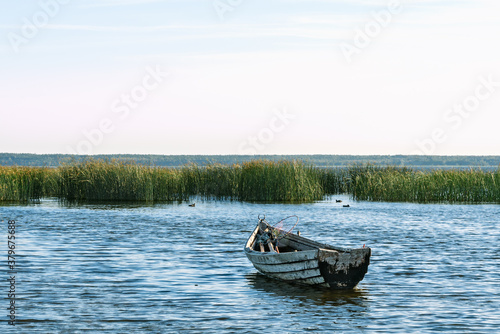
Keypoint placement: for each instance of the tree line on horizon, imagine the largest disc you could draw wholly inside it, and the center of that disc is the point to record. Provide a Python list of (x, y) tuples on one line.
[(318, 160)]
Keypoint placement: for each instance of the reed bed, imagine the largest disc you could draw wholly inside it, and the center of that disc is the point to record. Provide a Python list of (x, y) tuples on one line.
[(348, 180), (284, 181), (334, 180), (260, 180), (214, 181), (451, 186), (22, 183), (97, 180)]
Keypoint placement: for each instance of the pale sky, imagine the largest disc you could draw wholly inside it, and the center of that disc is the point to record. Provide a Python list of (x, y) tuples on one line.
[(250, 76)]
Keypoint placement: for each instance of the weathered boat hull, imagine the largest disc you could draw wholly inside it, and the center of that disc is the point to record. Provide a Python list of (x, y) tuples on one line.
[(312, 263)]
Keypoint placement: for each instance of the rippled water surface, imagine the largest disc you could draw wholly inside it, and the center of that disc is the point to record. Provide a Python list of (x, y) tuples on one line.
[(170, 268)]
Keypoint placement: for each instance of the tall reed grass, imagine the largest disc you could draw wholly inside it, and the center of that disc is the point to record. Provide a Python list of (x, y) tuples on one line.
[(23, 183), (334, 180), (97, 180), (282, 181), (350, 179), (254, 181), (285, 181), (214, 181), (452, 186)]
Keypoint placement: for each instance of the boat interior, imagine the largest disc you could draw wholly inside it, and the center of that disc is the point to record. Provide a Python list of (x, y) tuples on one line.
[(266, 238)]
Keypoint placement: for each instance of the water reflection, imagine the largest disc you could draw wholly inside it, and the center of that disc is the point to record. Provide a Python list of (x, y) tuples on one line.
[(317, 295)]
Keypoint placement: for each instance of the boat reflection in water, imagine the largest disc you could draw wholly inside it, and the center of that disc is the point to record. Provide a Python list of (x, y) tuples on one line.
[(281, 291)]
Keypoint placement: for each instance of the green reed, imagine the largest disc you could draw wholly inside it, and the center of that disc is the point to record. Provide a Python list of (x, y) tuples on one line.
[(452, 186), (97, 180), (285, 181), (334, 181), (254, 181), (260, 180), (23, 183), (214, 181)]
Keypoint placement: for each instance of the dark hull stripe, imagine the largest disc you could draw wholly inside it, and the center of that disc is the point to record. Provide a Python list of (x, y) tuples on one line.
[(283, 263), (285, 272), (281, 258), (295, 275), (295, 279), (313, 280), (282, 269), (302, 279)]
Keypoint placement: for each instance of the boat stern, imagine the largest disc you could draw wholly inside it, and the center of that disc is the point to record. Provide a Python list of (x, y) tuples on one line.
[(343, 270)]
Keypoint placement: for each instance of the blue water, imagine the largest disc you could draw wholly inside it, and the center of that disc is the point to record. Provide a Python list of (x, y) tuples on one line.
[(170, 268)]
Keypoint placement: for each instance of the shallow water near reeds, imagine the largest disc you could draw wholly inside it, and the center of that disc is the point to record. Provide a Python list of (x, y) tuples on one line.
[(170, 268)]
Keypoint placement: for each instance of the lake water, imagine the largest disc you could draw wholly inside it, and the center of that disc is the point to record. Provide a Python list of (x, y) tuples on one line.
[(170, 268)]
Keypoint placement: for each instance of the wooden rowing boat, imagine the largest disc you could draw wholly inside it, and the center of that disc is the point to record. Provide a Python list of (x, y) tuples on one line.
[(293, 258)]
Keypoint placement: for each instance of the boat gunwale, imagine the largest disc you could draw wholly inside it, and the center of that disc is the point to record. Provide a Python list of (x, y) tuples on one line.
[(298, 239)]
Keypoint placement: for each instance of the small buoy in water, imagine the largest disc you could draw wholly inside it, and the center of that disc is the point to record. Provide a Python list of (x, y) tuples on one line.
[(346, 206), (192, 205), (338, 200)]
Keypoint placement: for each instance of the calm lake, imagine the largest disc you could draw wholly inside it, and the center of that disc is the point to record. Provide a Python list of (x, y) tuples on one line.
[(170, 268)]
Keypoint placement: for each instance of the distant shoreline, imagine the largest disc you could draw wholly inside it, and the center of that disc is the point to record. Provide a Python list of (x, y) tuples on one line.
[(317, 160)]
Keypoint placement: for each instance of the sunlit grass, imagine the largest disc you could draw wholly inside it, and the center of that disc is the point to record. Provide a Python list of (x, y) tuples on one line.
[(260, 180), (97, 180), (284, 181), (406, 185), (23, 183)]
